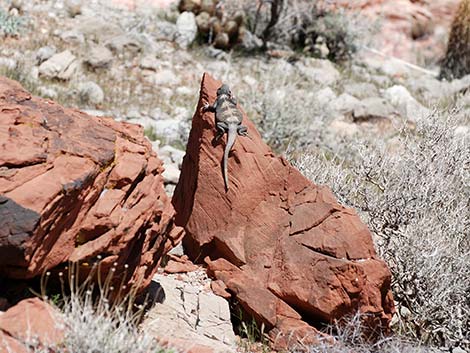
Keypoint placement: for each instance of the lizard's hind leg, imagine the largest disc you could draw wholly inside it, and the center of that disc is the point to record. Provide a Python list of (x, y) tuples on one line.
[(222, 127), (242, 130)]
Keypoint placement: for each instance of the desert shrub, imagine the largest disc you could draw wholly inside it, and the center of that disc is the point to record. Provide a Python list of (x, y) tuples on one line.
[(10, 25), (93, 323), (301, 24), (284, 109), (416, 202), (456, 63), (348, 338)]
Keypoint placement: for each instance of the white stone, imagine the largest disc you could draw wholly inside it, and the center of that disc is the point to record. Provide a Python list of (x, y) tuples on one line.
[(165, 77), (345, 103), (406, 104), (186, 29), (325, 95), (62, 65), (191, 314), (171, 174), (99, 56), (90, 93), (320, 71)]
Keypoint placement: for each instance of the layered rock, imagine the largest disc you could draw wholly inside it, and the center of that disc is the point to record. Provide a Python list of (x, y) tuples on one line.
[(282, 245), (78, 188)]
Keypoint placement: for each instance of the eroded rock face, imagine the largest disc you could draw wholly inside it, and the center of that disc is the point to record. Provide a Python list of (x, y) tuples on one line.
[(282, 245), (77, 188)]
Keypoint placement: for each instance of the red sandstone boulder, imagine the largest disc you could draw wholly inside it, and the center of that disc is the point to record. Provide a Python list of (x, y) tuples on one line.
[(77, 188), (30, 322), (282, 245)]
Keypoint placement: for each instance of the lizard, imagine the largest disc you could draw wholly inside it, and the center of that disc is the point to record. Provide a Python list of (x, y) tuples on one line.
[(228, 119)]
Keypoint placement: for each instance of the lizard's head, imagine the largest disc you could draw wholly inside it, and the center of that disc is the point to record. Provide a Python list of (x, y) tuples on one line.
[(224, 89)]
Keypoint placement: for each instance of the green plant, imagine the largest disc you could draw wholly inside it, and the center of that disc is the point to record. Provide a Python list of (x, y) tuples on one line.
[(10, 25)]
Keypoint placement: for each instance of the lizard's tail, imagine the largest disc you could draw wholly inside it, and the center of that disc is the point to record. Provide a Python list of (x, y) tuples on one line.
[(231, 136)]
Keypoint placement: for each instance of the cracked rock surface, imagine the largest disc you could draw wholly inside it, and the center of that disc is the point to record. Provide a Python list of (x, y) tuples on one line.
[(76, 188), (190, 316), (285, 248)]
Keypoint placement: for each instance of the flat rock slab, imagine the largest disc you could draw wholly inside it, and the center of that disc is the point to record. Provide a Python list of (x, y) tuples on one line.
[(190, 317), (283, 246), (78, 188)]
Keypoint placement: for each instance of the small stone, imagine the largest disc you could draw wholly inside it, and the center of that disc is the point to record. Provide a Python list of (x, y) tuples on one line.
[(371, 108), (91, 93), (165, 77), (186, 29), (124, 42), (72, 37), (73, 7), (248, 40), (45, 53), (62, 66), (325, 95), (99, 57), (219, 288), (149, 62), (47, 92), (407, 105), (320, 71), (343, 128), (174, 154), (171, 174), (361, 90), (345, 103)]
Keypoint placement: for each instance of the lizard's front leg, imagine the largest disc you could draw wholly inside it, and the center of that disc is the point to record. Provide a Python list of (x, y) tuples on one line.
[(209, 108)]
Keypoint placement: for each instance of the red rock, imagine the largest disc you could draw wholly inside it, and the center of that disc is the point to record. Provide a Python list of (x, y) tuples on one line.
[(29, 320), (179, 265), (282, 245), (409, 29), (75, 187), (219, 288)]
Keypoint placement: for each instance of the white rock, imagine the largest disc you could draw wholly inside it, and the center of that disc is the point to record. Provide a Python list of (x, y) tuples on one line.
[(45, 53), (62, 65), (47, 92), (99, 56), (190, 314), (320, 71), (165, 77), (175, 155), (73, 7), (325, 95), (171, 174), (345, 103), (343, 128), (91, 93), (186, 29), (149, 62), (406, 104), (72, 36)]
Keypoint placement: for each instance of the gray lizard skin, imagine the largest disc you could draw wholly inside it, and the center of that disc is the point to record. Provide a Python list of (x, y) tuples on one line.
[(228, 119)]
